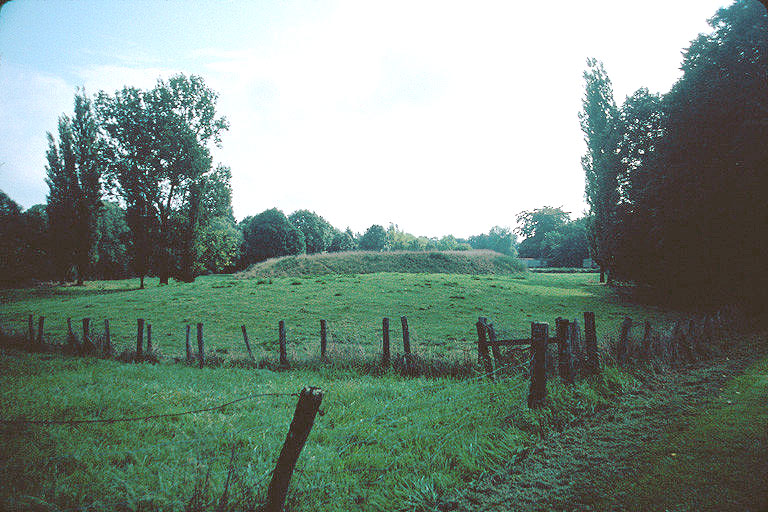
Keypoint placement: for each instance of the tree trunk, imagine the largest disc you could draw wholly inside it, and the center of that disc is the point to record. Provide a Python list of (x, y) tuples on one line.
[(141, 281), (602, 275)]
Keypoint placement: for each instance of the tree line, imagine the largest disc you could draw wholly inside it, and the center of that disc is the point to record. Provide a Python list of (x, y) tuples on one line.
[(134, 191), (676, 182)]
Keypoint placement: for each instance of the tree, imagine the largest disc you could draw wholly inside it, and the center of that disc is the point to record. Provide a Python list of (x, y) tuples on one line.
[(75, 167), (343, 241), (374, 239), (220, 243), (599, 118), (318, 232), (161, 165), (567, 245), (113, 244), (535, 225), (498, 239), (269, 235)]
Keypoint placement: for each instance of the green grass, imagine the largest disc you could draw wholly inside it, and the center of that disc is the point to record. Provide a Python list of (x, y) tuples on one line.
[(364, 262), (441, 308), (719, 461), (383, 443)]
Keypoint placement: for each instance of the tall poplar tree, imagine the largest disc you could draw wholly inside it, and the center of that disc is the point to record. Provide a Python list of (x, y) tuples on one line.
[(74, 174), (599, 122)]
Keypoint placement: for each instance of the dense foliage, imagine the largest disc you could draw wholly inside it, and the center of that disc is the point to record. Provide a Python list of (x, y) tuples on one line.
[(676, 183)]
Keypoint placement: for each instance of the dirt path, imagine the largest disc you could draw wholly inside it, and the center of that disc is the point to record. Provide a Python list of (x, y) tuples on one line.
[(576, 469)]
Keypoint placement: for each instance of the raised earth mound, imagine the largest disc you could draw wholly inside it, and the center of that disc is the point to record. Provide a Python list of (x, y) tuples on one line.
[(448, 262)]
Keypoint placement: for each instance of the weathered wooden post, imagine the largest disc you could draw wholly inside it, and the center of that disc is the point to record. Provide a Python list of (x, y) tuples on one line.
[(323, 338), (189, 344), (565, 364), (406, 337), (590, 343), (247, 343), (149, 339), (482, 347), (31, 328), (70, 332), (200, 345), (40, 322), (647, 339), (303, 419), (537, 392), (140, 337), (577, 348), (623, 348), (385, 355), (283, 342), (107, 338), (87, 343), (494, 347)]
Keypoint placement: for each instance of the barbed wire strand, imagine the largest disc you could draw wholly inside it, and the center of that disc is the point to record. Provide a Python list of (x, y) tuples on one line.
[(139, 418)]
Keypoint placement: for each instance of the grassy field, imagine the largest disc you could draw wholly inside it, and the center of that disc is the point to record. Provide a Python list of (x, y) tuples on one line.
[(441, 309), (382, 443)]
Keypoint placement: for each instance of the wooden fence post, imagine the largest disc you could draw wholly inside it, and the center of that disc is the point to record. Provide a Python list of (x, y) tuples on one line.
[(107, 338), (200, 344), (40, 322), (577, 348), (31, 328), (139, 337), (647, 339), (70, 332), (385, 355), (406, 337), (537, 392), (494, 347), (303, 419), (189, 345), (88, 345), (282, 339), (623, 349), (590, 343), (482, 347), (323, 338), (247, 343), (564, 362), (149, 339)]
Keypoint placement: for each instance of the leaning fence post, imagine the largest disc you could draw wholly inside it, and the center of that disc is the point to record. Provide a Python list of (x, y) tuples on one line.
[(537, 392), (323, 338), (107, 338), (247, 343), (590, 343), (200, 344), (282, 339), (482, 347), (139, 337), (565, 364), (385, 355), (303, 418), (623, 349), (189, 345), (40, 322)]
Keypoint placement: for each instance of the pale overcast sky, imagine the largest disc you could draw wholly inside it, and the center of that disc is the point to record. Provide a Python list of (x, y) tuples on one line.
[(442, 117)]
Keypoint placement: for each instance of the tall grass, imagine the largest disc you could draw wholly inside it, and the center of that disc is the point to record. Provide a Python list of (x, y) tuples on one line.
[(382, 443)]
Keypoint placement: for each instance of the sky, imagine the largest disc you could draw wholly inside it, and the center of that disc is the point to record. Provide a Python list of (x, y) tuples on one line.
[(441, 117)]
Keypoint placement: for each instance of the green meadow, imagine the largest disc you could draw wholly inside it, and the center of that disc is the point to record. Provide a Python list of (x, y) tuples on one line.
[(441, 310)]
